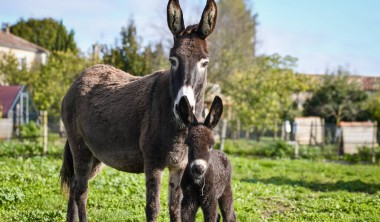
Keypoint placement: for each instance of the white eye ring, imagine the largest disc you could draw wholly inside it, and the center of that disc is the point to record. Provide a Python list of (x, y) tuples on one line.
[(202, 64), (174, 62)]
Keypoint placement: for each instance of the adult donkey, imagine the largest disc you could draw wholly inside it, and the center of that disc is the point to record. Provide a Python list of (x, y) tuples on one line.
[(131, 123)]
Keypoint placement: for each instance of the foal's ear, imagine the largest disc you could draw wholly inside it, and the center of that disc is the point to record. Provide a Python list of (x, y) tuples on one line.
[(208, 21), (216, 111), (175, 17), (186, 112)]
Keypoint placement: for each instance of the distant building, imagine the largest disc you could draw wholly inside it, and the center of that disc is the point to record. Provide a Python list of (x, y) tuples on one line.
[(27, 53), (16, 109)]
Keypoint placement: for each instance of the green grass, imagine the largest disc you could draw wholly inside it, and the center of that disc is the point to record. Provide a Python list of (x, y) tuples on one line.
[(264, 190)]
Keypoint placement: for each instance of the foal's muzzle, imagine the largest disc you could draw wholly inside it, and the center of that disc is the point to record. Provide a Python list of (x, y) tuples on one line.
[(198, 168)]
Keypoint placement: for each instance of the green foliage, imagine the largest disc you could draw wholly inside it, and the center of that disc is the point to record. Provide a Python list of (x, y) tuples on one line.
[(270, 149), (16, 149), (264, 190), (337, 99), (364, 155), (11, 195), (263, 96), (373, 106), (31, 131), (232, 44), (131, 57), (47, 33)]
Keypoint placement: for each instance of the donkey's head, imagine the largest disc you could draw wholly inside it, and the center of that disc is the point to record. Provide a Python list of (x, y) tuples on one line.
[(200, 138), (189, 56)]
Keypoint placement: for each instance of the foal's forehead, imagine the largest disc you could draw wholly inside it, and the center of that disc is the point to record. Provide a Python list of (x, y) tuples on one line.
[(201, 134)]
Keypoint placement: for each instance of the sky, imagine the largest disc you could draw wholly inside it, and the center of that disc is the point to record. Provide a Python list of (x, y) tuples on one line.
[(322, 34)]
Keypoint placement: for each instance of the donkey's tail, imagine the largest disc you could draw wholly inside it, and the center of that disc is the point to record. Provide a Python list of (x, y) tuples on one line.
[(67, 170)]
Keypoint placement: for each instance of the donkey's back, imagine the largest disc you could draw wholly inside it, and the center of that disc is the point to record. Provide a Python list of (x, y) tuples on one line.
[(105, 109)]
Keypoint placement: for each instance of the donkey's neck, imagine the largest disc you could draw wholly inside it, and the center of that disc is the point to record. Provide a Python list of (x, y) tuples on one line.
[(165, 81)]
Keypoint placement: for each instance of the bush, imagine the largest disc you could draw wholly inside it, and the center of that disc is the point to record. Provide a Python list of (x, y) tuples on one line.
[(273, 149), (281, 149), (15, 149), (31, 132), (364, 155)]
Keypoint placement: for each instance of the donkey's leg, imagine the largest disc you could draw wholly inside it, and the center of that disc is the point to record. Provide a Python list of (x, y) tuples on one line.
[(226, 205), (153, 179), (175, 193), (72, 208), (83, 164)]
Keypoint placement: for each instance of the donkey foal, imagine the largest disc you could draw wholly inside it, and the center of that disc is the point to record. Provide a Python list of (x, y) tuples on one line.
[(207, 178)]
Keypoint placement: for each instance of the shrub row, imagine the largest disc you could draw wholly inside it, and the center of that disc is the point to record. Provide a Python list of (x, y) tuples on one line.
[(282, 149)]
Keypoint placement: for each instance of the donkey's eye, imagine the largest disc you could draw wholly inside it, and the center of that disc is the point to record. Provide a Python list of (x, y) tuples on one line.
[(173, 61), (204, 64), (209, 148)]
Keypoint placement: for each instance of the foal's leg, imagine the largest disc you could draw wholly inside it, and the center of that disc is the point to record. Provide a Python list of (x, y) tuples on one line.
[(175, 193), (153, 179), (189, 206), (227, 206), (210, 210)]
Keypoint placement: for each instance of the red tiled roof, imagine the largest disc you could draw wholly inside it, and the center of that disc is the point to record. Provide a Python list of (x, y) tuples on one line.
[(12, 41), (8, 94)]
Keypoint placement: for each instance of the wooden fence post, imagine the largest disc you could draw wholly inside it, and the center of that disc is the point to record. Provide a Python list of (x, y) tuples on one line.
[(223, 134), (374, 143), (44, 115)]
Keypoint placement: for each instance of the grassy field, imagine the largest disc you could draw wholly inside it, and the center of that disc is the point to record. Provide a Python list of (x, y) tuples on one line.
[(264, 190)]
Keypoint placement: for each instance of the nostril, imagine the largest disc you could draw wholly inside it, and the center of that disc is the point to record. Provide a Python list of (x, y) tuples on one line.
[(198, 170)]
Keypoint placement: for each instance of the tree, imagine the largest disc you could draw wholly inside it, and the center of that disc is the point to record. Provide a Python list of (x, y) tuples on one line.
[(337, 99), (232, 45), (130, 56), (47, 33), (373, 107), (263, 96)]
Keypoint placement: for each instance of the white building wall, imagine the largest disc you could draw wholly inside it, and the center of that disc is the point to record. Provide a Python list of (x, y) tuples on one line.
[(28, 57)]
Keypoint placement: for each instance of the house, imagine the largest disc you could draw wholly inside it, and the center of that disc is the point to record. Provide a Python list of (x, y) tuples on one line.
[(16, 108), (27, 53)]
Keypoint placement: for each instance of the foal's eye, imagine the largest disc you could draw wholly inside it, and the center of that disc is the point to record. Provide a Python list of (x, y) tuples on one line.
[(209, 148), (204, 64)]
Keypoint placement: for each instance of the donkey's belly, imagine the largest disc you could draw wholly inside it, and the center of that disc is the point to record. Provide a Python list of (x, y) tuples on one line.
[(124, 158)]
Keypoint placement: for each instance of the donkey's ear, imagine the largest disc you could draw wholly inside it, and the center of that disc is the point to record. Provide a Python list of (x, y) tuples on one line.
[(175, 17), (185, 112), (208, 21), (216, 111)]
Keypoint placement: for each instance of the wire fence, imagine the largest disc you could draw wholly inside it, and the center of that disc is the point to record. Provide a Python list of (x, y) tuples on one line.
[(348, 137)]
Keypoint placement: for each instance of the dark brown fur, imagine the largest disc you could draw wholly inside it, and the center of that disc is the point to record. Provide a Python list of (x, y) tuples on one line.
[(213, 185), (127, 122)]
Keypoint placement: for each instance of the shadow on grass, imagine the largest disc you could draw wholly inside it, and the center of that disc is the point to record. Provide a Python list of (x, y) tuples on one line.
[(350, 186)]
